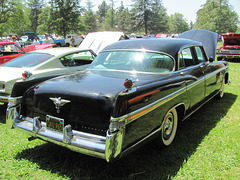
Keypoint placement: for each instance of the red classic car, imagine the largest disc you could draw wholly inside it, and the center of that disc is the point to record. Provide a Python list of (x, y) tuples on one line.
[(230, 48), (9, 50)]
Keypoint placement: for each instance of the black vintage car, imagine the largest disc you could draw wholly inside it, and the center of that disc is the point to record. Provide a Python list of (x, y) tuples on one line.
[(133, 91)]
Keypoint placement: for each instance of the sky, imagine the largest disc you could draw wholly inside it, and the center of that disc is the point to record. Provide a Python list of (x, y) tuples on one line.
[(188, 8)]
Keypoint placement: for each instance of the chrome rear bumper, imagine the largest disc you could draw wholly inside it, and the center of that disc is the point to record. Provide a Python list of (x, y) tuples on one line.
[(108, 148), (4, 98)]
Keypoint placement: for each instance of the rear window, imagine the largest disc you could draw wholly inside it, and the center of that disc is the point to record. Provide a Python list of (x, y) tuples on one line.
[(28, 60)]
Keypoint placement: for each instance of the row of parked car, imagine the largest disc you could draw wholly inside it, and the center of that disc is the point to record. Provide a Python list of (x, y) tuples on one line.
[(62, 42), (109, 96), (28, 37)]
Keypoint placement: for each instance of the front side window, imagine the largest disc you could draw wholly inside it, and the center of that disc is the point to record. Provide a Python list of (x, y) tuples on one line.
[(10, 49), (77, 59), (134, 61)]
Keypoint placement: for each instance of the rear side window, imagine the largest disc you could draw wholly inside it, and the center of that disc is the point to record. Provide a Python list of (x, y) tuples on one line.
[(28, 60), (200, 54), (186, 58)]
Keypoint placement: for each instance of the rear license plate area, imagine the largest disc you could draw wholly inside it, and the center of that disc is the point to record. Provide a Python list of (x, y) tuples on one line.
[(54, 123)]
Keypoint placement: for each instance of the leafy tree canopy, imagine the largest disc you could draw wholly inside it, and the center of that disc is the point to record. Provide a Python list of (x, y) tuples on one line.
[(217, 15)]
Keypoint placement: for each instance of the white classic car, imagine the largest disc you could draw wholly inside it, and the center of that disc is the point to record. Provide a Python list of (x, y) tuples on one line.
[(54, 61), (46, 62)]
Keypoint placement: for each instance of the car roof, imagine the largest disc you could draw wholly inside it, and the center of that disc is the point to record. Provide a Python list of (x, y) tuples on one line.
[(59, 51), (167, 45)]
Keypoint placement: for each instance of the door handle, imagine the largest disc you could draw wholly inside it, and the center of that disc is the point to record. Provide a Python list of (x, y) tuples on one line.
[(182, 73)]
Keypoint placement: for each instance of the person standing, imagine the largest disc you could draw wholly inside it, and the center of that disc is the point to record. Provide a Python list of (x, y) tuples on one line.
[(35, 41), (47, 40), (14, 39), (72, 41)]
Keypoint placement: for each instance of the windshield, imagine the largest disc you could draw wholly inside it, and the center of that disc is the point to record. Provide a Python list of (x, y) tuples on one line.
[(133, 61), (28, 60)]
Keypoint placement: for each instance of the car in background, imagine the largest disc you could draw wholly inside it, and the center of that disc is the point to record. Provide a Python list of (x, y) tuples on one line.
[(77, 39), (10, 50), (161, 35), (230, 48), (99, 40), (39, 63), (134, 91)]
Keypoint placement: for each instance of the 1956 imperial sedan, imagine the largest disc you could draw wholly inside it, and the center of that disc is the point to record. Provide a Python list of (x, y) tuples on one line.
[(135, 90)]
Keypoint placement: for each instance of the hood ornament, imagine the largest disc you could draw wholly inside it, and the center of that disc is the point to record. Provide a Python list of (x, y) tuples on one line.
[(59, 102)]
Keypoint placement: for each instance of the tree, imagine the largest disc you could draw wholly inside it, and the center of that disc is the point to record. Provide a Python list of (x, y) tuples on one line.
[(43, 20), (35, 10), (64, 15), (102, 11), (14, 23), (150, 15), (177, 24), (158, 20), (123, 19), (142, 10), (110, 23), (90, 18), (7, 8), (216, 15)]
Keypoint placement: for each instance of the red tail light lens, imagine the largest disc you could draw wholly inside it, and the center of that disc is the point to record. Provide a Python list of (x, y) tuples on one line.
[(128, 83), (26, 74)]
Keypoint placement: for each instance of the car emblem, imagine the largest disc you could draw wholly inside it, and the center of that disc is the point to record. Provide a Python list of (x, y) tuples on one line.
[(59, 102)]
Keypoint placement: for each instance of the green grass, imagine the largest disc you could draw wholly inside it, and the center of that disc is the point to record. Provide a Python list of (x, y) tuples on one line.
[(207, 146)]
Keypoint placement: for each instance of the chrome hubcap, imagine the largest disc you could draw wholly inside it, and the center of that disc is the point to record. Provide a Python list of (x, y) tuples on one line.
[(168, 125)]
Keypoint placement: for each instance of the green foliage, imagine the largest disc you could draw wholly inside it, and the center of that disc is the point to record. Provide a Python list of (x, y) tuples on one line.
[(158, 21), (35, 7), (63, 16), (177, 24), (123, 19), (7, 9), (19, 22), (43, 21), (143, 16), (90, 18), (217, 16)]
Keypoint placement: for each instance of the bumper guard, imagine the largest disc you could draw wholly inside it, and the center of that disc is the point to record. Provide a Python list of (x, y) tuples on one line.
[(108, 148)]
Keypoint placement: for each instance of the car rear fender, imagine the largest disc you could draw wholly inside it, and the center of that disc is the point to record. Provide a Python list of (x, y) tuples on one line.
[(21, 86)]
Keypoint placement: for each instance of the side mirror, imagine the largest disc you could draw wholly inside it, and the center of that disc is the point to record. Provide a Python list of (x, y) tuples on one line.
[(211, 59)]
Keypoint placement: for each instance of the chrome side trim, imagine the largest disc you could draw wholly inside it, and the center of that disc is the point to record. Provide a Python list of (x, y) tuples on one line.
[(147, 109), (215, 72)]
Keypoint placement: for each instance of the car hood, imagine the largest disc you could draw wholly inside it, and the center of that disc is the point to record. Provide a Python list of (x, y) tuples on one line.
[(207, 38), (99, 40)]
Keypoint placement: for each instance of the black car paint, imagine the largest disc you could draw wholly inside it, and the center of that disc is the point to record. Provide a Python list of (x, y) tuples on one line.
[(96, 95)]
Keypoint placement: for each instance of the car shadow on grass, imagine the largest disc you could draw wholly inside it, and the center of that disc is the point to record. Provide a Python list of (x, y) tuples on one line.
[(148, 162), (236, 60)]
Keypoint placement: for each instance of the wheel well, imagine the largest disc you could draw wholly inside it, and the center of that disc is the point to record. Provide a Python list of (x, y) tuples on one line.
[(226, 78), (180, 111)]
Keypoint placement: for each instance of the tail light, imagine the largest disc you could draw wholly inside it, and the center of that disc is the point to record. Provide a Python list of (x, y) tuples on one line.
[(128, 84), (26, 74), (2, 85)]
